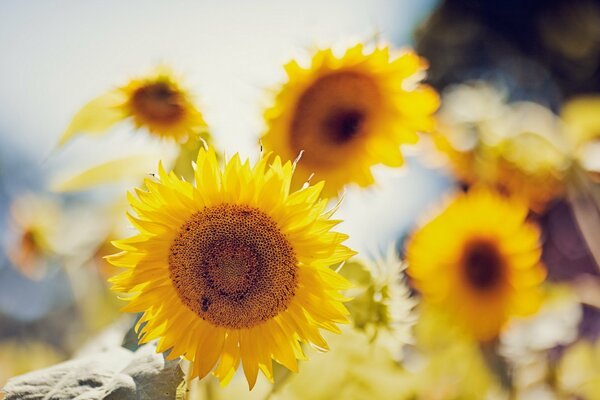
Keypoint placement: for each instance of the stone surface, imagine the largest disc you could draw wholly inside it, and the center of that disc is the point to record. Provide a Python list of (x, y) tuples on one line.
[(113, 374)]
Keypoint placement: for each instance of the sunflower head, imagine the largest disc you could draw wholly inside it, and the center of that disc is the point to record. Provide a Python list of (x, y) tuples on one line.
[(159, 104), (480, 260), (234, 268), (349, 113), (156, 102), (32, 234)]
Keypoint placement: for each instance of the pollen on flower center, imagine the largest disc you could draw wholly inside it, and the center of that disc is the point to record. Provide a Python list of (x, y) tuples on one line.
[(158, 102), (232, 266), (482, 264)]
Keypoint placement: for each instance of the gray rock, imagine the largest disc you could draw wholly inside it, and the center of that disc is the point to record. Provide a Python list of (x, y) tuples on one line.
[(115, 374)]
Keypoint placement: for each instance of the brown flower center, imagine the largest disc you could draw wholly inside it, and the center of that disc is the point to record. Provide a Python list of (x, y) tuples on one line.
[(344, 125), (333, 113), (483, 264), (232, 266), (158, 103)]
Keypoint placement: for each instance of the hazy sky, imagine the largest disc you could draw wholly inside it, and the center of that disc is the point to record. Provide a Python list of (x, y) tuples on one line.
[(57, 54)]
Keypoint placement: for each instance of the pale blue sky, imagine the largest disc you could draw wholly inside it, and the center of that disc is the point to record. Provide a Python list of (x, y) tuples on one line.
[(57, 54)]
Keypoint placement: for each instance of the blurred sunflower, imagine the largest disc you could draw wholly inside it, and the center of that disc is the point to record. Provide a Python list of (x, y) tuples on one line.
[(236, 268), (347, 114), (526, 341), (355, 369), (32, 233), (445, 363), (515, 148), (578, 372), (155, 102), (480, 260)]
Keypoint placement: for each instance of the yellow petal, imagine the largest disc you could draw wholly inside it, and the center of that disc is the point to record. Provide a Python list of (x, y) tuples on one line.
[(96, 116), (121, 169)]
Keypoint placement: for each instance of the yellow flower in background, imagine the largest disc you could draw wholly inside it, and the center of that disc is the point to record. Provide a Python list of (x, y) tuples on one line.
[(156, 102), (525, 342), (445, 363), (533, 157), (354, 369), (578, 372), (234, 269), (32, 232), (357, 369), (479, 260), (349, 113), (516, 148)]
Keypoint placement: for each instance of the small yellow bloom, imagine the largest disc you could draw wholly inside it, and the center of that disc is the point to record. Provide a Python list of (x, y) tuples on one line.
[(234, 269), (347, 114), (156, 103), (480, 260)]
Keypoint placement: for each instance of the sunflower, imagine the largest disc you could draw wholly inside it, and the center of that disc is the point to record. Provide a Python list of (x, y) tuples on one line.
[(33, 232), (347, 114), (233, 269), (480, 260), (155, 102)]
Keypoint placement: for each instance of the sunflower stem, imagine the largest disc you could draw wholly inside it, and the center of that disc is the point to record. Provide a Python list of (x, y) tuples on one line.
[(188, 381), (208, 390)]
